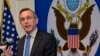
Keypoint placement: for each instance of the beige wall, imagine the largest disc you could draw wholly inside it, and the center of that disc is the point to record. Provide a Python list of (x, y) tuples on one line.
[(0, 11), (16, 6)]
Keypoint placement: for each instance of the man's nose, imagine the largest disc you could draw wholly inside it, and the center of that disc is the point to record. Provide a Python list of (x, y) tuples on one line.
[(26, 20)]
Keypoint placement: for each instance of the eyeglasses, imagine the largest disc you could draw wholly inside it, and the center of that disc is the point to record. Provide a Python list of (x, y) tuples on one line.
[(28, 18)]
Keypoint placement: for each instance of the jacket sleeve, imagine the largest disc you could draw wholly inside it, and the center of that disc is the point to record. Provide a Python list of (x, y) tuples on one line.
[(50, 47)]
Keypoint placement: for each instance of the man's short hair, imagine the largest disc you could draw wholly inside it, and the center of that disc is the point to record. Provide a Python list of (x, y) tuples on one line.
[(25, 9)]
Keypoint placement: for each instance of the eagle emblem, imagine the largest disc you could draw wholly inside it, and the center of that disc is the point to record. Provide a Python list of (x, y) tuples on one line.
[(73, 24)]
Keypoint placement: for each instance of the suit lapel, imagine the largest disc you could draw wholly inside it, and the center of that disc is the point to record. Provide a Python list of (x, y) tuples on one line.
[(36, 42), (21, 46)]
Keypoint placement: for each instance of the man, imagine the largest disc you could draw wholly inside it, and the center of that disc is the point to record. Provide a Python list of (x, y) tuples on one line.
[(42, 44)]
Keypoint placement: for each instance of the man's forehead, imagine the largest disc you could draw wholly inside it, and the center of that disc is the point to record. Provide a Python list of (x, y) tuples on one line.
[(26, 13)]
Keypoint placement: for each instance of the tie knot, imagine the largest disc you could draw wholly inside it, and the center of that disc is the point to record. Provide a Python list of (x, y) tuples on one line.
[(28, 36)]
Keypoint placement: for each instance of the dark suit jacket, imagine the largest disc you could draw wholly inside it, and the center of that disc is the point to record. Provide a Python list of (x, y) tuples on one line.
[(44, 45)]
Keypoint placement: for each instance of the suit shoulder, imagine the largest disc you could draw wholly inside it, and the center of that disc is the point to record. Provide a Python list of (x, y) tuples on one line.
[(47, 36), (21, 39), (45, 33)]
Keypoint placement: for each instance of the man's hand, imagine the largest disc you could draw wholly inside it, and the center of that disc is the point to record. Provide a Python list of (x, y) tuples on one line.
[(8, 52)]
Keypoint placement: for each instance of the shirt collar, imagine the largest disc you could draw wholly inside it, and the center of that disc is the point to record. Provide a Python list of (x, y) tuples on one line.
[(33, 33)]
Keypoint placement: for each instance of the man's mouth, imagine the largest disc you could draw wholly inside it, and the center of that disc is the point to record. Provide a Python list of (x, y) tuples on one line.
[(27, 26)]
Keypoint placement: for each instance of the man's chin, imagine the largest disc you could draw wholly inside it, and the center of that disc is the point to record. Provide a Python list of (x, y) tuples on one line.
[(28, 31)]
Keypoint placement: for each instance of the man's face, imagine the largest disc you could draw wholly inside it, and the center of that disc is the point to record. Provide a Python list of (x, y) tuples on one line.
[(28, 21)]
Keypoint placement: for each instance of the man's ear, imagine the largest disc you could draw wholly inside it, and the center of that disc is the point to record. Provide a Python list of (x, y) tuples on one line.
[(37, 20)]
